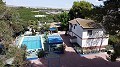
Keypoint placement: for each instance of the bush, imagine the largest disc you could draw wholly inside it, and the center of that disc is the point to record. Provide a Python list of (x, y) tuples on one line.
[(113, 57), (41, 54), (108, 52), (61, 48), (45, 36), (56, 31), (113, 39), (109, 47)]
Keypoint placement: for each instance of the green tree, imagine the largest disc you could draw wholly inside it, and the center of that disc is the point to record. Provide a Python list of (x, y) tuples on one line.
[(109, 16), (18, 28), (112, 25), (5, 33), (56, 17), (10, 23), (80, 9), (112, 18), (20, 57), (1, 2), (2, 9), (45, 27), (97, 13), (64, 18)]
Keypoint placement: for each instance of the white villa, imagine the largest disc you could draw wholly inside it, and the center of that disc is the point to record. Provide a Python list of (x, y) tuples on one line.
[(87, 33)]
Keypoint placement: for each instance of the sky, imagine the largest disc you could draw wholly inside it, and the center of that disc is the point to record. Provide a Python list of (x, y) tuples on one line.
[(66, 4)]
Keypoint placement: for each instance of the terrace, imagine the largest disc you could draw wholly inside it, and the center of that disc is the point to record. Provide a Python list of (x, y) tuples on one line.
[(71, 59)]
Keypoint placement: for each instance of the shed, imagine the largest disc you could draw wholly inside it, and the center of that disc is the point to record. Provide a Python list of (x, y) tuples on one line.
[(53, 29)]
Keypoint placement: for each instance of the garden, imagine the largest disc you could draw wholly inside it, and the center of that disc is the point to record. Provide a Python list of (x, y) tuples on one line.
[(81, 50)]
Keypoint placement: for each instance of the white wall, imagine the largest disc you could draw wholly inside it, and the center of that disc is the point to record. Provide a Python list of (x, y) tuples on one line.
[(95, 33), (94, 42), (70, 33), (79, 41), (85, 41), (96, 38), (77, 32)]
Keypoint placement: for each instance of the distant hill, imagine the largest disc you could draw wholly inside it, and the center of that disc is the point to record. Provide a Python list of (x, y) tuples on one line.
[(39, 7)]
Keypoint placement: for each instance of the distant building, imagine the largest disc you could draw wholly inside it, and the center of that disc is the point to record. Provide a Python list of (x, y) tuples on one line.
[(52, 11), (54, 27), (40, 16), (87, 33), (55, 24)]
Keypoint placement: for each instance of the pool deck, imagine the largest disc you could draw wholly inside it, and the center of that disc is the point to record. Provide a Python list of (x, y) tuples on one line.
[(72, 59)]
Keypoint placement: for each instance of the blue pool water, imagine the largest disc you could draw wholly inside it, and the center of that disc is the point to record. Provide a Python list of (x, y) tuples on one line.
[(32, 42)]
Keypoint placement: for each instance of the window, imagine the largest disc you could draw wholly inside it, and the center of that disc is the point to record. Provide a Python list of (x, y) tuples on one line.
[(96, 31), (74, 27), (89, 32)]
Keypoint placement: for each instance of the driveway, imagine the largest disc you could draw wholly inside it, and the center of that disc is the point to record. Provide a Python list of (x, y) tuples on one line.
[(72, 59)]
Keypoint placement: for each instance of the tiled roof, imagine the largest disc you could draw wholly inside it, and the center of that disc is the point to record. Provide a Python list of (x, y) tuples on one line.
[(85, 23)]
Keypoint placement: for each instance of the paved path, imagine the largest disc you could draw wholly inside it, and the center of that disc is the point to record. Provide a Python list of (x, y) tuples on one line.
[(71, 59)]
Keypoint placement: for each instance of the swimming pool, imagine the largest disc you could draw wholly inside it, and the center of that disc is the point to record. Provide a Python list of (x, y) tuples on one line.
[(32, 42)]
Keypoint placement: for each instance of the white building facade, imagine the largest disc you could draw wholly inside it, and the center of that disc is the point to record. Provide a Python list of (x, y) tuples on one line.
[(87, 33)]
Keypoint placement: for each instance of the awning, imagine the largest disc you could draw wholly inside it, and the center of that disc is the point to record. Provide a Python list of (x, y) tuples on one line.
[(53, 29), (55, 39)]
